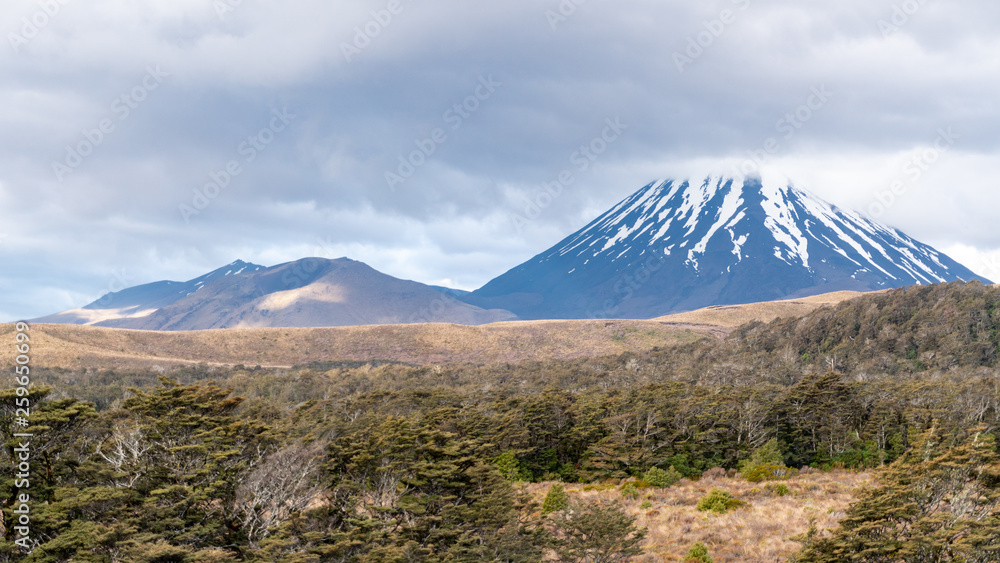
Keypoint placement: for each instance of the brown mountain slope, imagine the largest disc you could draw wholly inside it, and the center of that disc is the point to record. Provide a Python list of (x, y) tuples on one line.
[(313, 292)]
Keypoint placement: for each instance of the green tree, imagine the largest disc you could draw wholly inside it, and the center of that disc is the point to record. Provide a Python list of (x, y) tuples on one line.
[(555, 500), (61, 433), (822, 420), (597, 533), (768, 454), (410, 489), (936, 503), (152, 481), (510, 468)]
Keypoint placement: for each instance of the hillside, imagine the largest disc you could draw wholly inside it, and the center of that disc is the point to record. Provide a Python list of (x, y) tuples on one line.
[(732, 316), (910, 330), (98, 347), (312, 292), (739, 442), (72, 346)]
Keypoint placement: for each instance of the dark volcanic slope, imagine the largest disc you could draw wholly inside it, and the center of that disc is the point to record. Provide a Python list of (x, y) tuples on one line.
[(682, 245)]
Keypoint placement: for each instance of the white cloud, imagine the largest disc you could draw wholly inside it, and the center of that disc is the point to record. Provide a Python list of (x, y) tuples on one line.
[(985, 263)]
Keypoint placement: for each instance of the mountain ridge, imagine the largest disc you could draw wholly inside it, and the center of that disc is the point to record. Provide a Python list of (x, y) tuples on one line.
[(678, 245), (673, 246), (142, 300), (312, 292)]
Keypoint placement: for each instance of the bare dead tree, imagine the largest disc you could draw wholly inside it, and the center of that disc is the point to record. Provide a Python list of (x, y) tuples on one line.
[(752, 428), (125, 451), (285, 483)]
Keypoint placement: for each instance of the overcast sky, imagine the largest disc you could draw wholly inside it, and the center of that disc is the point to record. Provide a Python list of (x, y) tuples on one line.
[(113, 113)]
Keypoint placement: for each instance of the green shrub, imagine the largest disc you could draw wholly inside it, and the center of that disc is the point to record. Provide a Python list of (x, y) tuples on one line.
[(646, 505), (769, 473), (768, 455), (662, 478), (630, 491), (698, 554), (766, 463), (896, 521), (555, 500), (778, 489), (719, 502)]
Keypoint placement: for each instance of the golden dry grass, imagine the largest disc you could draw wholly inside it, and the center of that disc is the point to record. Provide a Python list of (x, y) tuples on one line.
[(759, 533), (72, 346), (732, 316)]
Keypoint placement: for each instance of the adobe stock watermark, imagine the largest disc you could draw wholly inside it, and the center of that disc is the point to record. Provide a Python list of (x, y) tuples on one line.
[(225, 7), (701, 42), (302, 273), (365, 35), (582, 160), (912, 171), (249, 149), (21, 455), (563, 12), (121, 108), (433, 312), (991, 265), (453, 119), (629, 282), (787, 127), (327, 248), (901, 16), (32, 26), (120, 280)]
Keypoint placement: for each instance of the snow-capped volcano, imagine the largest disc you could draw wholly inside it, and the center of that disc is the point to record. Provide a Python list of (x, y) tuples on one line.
[(680, 245)]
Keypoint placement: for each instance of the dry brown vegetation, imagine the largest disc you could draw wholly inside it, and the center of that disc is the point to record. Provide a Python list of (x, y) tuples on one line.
[(73, 346), (857, 385), (758, 533), (732, 316)]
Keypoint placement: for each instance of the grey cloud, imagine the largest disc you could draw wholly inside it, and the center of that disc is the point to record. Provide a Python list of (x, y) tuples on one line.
[(455, 218)]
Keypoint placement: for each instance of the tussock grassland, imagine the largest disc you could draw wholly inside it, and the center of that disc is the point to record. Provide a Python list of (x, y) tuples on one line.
[(732, 316), (73, 346), (758, 533)]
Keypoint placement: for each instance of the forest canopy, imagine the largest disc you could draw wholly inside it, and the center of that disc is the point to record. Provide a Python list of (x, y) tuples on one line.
[(391, 462)]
